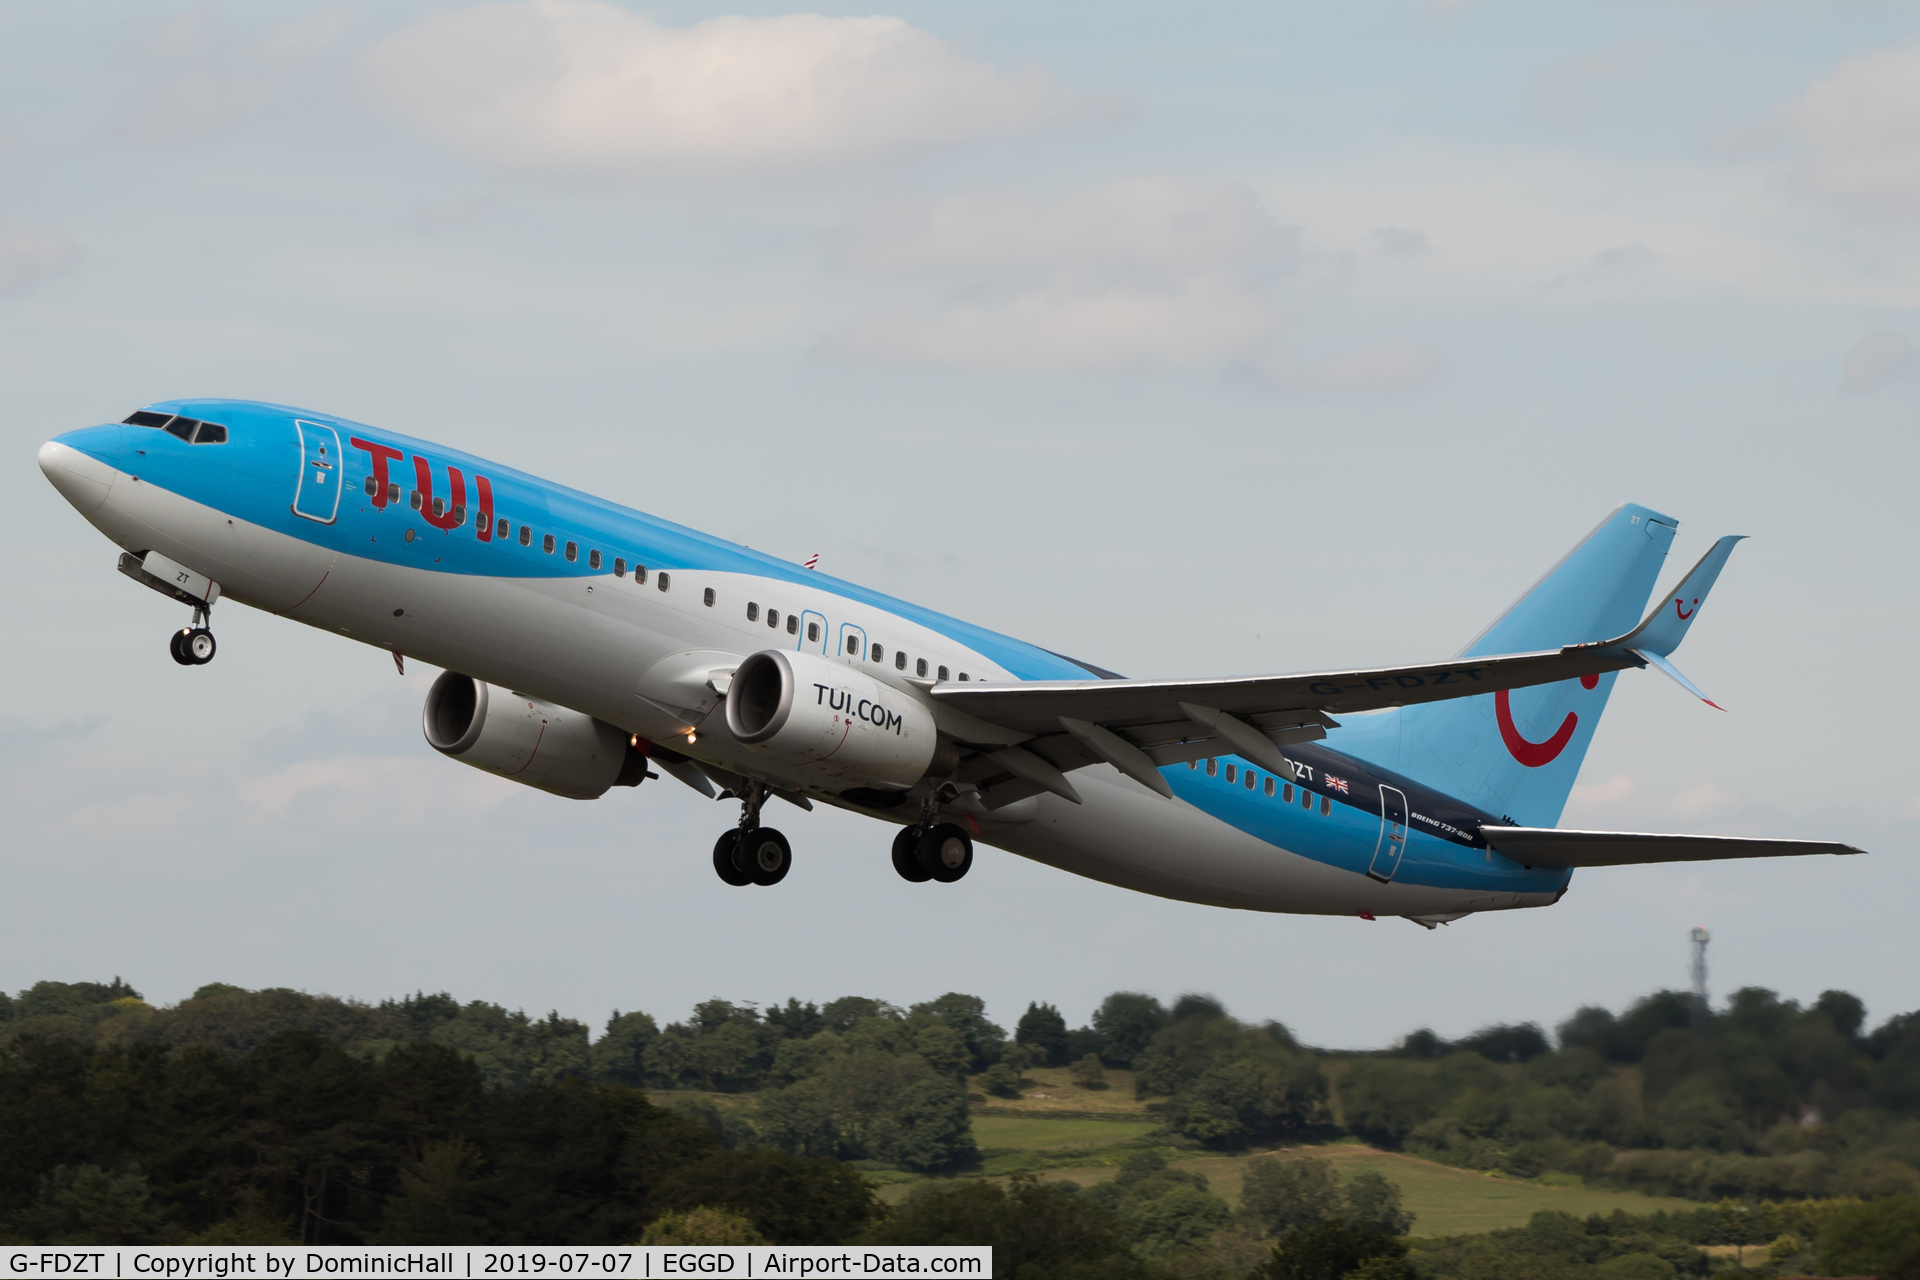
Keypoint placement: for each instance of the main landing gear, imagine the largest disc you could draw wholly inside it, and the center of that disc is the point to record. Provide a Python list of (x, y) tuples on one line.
[(751, 853), (942, 852), (193, 646)]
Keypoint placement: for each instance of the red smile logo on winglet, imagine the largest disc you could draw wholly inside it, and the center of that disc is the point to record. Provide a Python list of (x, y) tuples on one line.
[(1686, 613)]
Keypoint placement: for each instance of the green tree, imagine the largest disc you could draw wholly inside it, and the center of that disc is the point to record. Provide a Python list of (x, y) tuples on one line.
[(1042, 1028), (702, 1226), (88, 1205), (1037, 1231), (1283, 1195), (1127, 1022), (929, 1129), (1879, 1238), (944, 1049), (437, 1199), (1374, 1201), (789, 1199), (1088, 1073), (619, 1055), (1334, 1250)]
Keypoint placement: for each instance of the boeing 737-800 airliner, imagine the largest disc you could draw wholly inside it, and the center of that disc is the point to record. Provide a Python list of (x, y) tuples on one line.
[(584, 644)]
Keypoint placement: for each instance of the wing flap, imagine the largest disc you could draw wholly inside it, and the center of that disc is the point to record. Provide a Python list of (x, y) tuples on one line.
[(1551, 847)]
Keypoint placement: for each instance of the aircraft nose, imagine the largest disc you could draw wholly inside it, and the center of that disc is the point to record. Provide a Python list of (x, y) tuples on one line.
[(78, 472)]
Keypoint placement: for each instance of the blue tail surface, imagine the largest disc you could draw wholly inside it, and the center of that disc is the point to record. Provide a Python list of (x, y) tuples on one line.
[(1517, 754)]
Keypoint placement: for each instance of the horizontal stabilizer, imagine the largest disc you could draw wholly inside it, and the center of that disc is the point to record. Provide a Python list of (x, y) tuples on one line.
[(1552, 847)]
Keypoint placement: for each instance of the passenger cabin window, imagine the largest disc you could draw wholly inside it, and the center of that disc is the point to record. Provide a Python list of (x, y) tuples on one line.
[(878, 653), (459, 516), (502, 529), (663, 581), (813, 633), (619, 566), (708, 597), (1306, 798), (440, 508), (1213, 767), (920, 666), (393, 492), (1326, 806), (773, 617), (526, 535), (373, 486), (853, 644), (182, 427), (943, 673), (1286, 794), (593, 559), (210, 433), (1269, 786), (640, 575), (1250, 780), (900, 660), (573, 552), (414, 500), (142, 418), (753, 612), (1230, 773), (546, 543), (793, 625), (963, 675)]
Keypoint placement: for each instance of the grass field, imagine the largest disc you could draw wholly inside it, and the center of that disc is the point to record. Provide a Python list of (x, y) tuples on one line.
[(1020, 1133), (1053, 1090), (1445, 1201)]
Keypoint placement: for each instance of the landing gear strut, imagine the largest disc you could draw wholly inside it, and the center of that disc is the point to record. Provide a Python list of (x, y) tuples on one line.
[(193, 646), (751, 853)]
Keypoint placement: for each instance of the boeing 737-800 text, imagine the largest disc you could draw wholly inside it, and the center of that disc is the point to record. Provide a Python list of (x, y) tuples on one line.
[(585, 644)]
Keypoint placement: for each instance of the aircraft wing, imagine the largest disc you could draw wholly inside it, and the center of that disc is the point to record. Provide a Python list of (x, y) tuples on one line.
[(1140, 726), (1547, 846), (1028, 735)]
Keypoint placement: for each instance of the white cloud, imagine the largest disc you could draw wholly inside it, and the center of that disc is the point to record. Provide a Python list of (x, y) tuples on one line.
[(1147, 273), (1560, 91), (1876, 360), (31, 256), (1859, 135), (1064, 327), (1400, 242), (1153, 224), (1394, 364), (193, 74), (1590, 799), (585, 89)]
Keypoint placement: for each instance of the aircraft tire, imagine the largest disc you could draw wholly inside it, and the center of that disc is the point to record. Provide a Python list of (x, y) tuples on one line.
[(177, 646), (199, 646), (723, 867), (767, 855), (906, 856), (945, 852)]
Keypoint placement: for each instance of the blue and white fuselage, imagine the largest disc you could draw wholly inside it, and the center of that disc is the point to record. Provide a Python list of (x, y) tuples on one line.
[(599, 635)]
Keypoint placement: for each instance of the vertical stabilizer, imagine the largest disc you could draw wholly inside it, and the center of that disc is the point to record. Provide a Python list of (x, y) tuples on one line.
[(1517, 754)]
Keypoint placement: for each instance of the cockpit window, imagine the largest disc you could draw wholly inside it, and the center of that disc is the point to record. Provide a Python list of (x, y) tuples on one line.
[(144, 418), (182, 427), (210, 433)]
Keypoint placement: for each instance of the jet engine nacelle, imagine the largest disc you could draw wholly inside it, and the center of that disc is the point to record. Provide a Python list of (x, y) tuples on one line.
[(809, 712), (528, 740)]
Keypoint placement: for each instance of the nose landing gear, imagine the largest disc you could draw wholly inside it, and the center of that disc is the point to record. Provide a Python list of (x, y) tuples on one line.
[(194, 646), (751, 853)]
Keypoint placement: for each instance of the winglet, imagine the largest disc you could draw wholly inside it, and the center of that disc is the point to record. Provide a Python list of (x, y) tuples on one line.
[(1663, 629), (1667, 669)]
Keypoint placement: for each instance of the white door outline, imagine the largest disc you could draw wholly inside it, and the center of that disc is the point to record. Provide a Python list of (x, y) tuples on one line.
[(316, 490), (1392, 845), (808, 618)]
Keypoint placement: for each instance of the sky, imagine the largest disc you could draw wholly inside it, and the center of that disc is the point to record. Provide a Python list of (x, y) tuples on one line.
[(1193, 340)]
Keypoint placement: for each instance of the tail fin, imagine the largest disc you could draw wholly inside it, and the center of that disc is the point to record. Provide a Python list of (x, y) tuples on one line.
[(1517, 754)]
